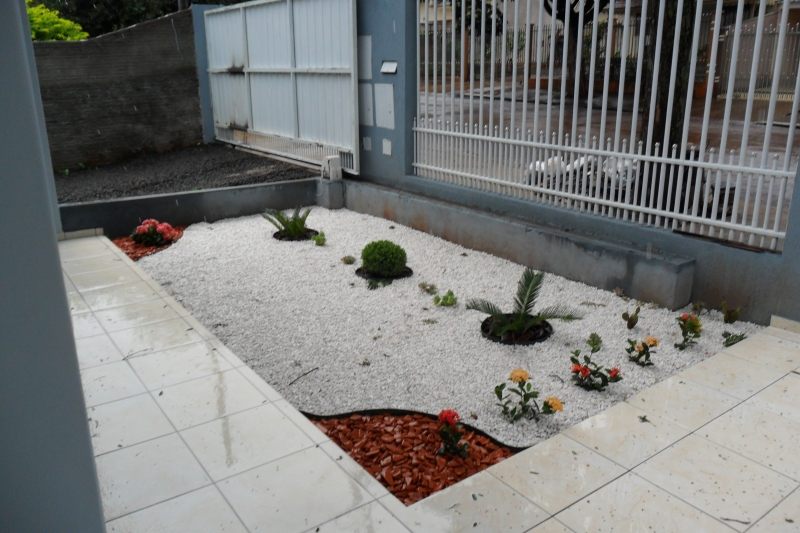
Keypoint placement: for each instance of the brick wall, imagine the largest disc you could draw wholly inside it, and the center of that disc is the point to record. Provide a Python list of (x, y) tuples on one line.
[(121, 94)]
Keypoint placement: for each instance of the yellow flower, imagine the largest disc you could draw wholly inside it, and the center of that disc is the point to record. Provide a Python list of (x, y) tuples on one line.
[(519, 375), (639, 347), (651, 341), (554, 403)]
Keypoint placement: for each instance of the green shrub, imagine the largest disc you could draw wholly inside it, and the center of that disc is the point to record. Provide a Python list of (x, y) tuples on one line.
[(348, 260), (319, 239), (448, 300), (383, 258), (46, 25)]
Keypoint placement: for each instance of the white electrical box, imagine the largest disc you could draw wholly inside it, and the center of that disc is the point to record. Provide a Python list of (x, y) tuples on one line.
[(384, 105)]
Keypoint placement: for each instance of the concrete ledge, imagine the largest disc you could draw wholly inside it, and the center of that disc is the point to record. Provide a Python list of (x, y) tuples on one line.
[(785, 324), (119, 217), (660, 278)]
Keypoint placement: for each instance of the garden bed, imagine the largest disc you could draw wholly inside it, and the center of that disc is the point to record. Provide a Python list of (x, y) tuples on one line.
[(311, 328)]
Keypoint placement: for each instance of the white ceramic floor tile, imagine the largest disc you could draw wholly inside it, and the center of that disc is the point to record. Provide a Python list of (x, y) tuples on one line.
[(104, 278), (198, 327), (126, 422), (108, 383), (556, 473), (93, 351), (145, 474), (760, 435), (785, 518), (134, 315), (768, 350), (632, 504), (202, 400), (81, 248), (370, 518), (76, 303), (293, 494), (69, 286), (725, 485), (232, 358), (620, 434), (354, 470), (259, 383), (551, 526), (782, 398), (785, 333), (84, 265), (176, 365), (154, 337), (129, 293), (725, 373), (683, 402), (201, 511), (480, 503), (245, 440), (302, 422), (85, 325)]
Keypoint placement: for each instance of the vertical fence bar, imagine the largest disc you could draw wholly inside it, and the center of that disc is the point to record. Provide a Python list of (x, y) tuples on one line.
[(483, 63), (503, 69), (527, 69), (592, 66), (514, 68), (564, 62), (435, 57), (776, 76), (623, 65), (539, 46), (578, 62), (551, 65), (427, 59), (492, 68), (461, 34), (607, 71)]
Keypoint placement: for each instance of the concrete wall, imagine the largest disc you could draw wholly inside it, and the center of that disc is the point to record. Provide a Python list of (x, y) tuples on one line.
[(47, 473), (121, 94)]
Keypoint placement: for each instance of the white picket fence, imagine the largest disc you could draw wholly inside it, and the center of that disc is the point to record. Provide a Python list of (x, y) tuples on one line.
[(487, 130)]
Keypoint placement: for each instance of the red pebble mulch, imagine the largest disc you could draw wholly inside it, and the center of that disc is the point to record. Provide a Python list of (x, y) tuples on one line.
[(137, 251), (400, 452)]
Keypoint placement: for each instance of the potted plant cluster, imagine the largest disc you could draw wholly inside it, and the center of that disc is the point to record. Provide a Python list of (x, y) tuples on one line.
[(292, 228)]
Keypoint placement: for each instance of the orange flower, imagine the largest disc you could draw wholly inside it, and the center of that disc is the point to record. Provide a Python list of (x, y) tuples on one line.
[(651, 341), (554, 403), (519, 375), (640, 347)]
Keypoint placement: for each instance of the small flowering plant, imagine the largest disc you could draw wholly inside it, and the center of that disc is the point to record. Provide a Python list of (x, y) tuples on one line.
[(451, 433), (639, 352), (526, 398), (590, 375), (690, 329), (151, 232)]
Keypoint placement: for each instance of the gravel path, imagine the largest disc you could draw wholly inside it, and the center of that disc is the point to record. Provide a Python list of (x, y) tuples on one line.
[(207, 166), (288, 308)]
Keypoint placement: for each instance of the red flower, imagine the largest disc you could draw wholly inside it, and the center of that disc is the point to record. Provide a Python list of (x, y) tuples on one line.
[(576, 368), (614, 372), (150, 222), (166, 231), (448, 416), (585, 371), (685, 317), (141, 230)]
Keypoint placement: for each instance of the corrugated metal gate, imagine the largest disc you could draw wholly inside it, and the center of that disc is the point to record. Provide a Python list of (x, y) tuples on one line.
[(284, 78)]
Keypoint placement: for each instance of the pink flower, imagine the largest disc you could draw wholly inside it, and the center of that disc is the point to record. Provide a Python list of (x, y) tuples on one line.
[(141, 230), (150, 222)]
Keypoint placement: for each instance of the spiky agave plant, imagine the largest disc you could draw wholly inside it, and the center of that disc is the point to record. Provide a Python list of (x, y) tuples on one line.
[(293, 228), (522, 320)]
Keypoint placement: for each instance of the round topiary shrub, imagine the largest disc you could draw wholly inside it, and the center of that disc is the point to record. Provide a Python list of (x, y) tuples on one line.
[(383, 258)]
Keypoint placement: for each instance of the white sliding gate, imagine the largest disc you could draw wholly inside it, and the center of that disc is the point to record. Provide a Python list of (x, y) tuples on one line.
[(516, 106), (284, 78)]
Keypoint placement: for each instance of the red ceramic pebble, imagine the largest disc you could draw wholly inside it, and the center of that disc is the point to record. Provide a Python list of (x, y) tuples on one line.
[(400, 452), (136, 251)]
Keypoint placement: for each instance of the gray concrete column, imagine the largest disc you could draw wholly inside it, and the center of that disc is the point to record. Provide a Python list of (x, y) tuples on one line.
[(47, 473)]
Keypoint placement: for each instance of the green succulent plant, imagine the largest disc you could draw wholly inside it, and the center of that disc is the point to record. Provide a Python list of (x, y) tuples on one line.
[(319, 239), (631, 318), (522, 318), (448, 300), (729, 314), (291, 228)]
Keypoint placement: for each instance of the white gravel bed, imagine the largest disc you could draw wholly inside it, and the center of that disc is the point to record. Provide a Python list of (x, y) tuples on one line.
[(286, 308)]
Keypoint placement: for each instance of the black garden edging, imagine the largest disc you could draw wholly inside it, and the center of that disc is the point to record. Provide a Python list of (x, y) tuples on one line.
[(309, 233), (362, 273), (540, 332), (404, 412)]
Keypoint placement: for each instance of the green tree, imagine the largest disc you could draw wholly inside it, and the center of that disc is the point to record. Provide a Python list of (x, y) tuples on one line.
[(47, 25)]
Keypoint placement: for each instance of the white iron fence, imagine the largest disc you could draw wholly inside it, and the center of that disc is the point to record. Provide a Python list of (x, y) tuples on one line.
[(586, 131)]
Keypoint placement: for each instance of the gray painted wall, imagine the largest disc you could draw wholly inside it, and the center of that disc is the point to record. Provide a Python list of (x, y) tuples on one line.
[(47, 473), (388, 22)]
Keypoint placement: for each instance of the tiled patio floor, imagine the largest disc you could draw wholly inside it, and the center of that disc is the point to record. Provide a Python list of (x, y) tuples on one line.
[(189, 439)]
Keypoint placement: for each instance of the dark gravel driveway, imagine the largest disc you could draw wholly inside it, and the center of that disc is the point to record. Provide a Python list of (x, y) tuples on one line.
[(207, 166)]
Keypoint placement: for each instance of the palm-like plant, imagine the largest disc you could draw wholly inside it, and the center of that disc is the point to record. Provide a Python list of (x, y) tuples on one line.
[(293, 228), (521, 322)]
